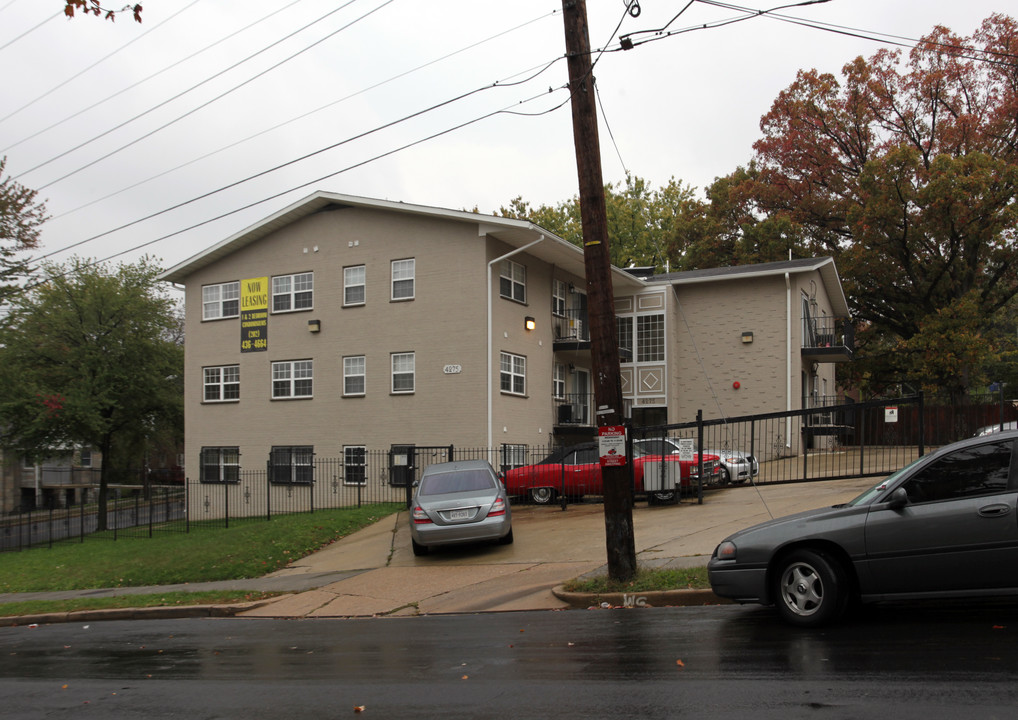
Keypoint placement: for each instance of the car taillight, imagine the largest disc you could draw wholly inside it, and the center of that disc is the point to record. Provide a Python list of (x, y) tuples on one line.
[(497, 508), (420, 517)]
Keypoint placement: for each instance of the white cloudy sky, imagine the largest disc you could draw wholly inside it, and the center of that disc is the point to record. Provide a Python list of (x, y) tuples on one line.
[(116, 122)]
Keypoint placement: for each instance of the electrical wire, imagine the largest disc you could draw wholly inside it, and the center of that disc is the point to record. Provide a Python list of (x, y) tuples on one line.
[(27, 32), (96, 63), (150, 77)]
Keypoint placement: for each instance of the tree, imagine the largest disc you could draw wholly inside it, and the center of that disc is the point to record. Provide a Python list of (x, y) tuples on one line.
[(908, 177), (20, 219), (91, 357), (93, 7), (641, 220)]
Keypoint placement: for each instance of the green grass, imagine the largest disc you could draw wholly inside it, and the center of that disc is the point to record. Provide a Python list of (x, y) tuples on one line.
[(247, 549), (646, 580)]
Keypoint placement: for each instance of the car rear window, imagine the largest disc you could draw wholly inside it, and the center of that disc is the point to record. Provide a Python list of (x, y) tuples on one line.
[(455, 482)]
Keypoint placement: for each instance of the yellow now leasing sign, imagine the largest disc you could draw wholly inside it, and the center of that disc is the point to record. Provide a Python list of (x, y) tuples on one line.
[(254, 314)]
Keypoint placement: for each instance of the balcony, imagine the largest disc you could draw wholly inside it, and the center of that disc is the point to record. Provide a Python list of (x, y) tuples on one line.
[(574, 410), (572, 330), (828, 340)]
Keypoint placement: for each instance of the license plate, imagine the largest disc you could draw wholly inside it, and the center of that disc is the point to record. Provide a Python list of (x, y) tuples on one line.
[(459, 515)]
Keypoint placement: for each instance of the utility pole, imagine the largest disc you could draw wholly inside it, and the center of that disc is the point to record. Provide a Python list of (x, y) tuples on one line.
[(618, 494)]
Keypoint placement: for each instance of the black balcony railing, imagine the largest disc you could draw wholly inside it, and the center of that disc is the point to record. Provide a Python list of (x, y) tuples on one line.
[(572, 327), (574, 409), (828, 339)]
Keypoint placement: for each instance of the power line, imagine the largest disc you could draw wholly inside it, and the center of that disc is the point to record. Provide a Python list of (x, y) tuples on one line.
[(150, 77), (205, 104), (97, 62), (27, 32)]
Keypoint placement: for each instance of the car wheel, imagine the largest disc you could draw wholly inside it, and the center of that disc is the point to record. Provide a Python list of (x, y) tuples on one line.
[(542, 495), (418, 548), (810, 589), (506, 539), (725, 476), (657, 498)]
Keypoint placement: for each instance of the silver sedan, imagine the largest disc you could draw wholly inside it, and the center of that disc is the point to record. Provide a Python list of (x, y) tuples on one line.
[(945, 526), (459, 502)]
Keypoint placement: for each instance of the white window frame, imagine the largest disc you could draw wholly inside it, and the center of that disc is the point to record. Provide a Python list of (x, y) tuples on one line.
[(355, 278), (227, 464), (512, 371), (559, 290), (355, 456), (221, 301), (512, 283), (404, 274), (291, 376), (558, 381), (650, 338), (404, 365), (220, 383), (298, 289), (354, 368)]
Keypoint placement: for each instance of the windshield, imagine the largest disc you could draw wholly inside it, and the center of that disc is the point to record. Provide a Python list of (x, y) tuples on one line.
[(455, 482), (868, 496)]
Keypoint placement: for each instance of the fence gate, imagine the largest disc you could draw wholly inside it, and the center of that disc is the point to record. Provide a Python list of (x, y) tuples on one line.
[(406, 462)]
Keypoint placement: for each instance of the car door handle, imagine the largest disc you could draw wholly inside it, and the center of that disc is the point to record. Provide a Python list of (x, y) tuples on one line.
[(996, 510)]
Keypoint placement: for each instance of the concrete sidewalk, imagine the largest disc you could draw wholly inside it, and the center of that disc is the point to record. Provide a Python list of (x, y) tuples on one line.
[(374, 572)]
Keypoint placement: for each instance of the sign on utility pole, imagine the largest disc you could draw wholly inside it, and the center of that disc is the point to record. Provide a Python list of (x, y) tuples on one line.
[(618, 493)]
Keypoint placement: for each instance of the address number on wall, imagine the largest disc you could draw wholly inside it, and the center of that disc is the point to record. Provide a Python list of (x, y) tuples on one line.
[(452, 369)]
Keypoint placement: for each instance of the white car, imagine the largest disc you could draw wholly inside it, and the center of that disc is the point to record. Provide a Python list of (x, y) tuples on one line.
[(737, 466)]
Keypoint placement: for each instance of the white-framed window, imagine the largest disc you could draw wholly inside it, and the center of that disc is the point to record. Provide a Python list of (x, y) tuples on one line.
[(513, 374), (293, 292), (220, 301), (514, 456), (559, 289), (354, 375), (292, 379), (403, 273), (85, 456), (354, 285), (221, 383), (293, 464), (650, 338), (558, 381), (513, 281), (403, 372), (355, 466), (220, 464), (624, 330)]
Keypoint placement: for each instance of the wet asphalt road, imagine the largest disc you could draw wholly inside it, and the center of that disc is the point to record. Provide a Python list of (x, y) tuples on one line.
[(712, 662)]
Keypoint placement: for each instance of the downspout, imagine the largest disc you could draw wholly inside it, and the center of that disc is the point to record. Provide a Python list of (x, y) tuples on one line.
[(788, 349), (491, 388)]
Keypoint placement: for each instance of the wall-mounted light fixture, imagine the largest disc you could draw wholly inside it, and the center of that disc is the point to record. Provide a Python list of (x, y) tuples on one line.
[(314, 326), (529, 323), (747, 337)]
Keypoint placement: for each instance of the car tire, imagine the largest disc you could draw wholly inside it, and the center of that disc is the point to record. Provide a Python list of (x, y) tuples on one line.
[(542, 495), (660, 498), (725, 477), (506, 539), (419, 549), (810, 589)]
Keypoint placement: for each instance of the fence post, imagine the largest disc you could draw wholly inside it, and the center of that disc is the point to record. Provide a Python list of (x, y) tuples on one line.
[(226, 502), (268, 488), (699, 454), (922, 425)]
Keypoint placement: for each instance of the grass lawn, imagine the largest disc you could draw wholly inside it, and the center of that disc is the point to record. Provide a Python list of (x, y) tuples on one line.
[(247, 549), (646, 580)]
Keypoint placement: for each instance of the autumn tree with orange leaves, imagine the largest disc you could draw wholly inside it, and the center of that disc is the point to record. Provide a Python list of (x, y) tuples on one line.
[(906, 172)]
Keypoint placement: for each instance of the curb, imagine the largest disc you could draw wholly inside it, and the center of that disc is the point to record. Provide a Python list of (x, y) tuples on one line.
[(653, 598), (169, 612)]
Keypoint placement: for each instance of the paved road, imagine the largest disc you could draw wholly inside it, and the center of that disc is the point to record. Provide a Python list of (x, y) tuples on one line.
[(710, 662)]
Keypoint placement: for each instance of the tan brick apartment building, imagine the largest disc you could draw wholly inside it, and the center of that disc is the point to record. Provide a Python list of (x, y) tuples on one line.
[(342, 324)]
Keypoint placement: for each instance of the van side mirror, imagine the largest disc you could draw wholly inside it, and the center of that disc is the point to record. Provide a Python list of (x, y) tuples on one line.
[(898, 500)]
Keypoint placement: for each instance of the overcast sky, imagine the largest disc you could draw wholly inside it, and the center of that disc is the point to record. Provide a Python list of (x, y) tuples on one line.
[(114, 121)]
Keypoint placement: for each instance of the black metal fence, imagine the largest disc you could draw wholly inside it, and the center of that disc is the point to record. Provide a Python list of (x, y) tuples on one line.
[(131, 512)]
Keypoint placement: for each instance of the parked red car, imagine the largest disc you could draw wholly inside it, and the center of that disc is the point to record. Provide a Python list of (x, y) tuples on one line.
[(576, 471)]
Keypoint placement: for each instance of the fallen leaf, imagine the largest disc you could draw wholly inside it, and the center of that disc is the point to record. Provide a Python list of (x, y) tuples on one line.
[(465, 677), (358, 708), (680, 663)]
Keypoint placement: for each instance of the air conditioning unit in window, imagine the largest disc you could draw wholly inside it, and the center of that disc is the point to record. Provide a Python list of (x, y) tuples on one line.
[(576, 328)]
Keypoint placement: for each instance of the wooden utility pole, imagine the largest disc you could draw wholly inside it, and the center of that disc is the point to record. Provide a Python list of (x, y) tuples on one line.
[(618, 493)]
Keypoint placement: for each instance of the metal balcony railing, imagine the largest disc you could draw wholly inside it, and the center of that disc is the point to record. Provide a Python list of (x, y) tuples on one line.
[(828, 339)]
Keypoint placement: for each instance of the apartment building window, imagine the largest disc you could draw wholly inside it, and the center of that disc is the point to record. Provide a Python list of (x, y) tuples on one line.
[(353, 285), (514, 456), (624, 329), (355, 468), (354, 375), (558, 297), (220, 464), (403, 272), (558, 381), (222, 383), (650, 338), (513, 374), (85, 456), (220, 301), (290, 465), (403, 372), (513, 281), (293, 292), (292, 379)]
